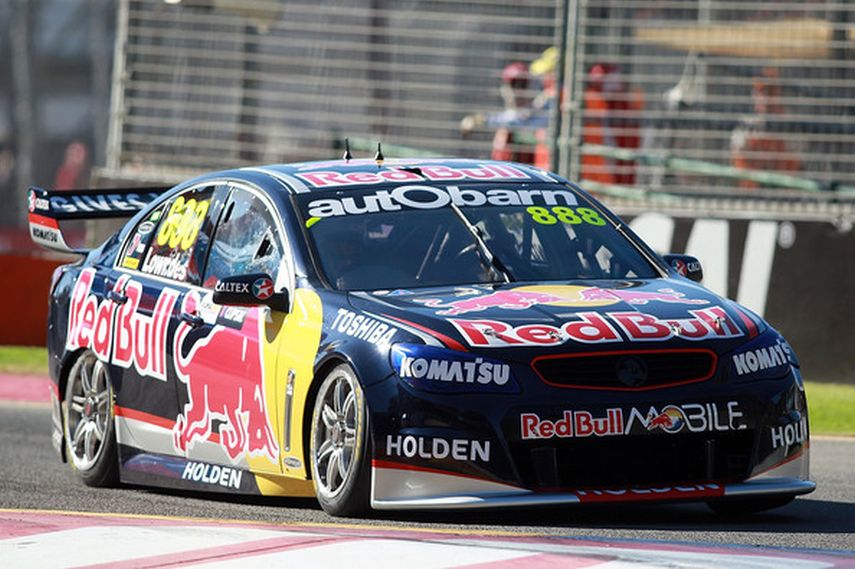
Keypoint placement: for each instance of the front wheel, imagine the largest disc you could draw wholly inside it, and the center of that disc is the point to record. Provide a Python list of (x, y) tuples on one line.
[(90, 436), (340, 457)]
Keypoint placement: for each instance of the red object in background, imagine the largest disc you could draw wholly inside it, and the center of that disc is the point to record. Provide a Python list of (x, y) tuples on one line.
[(24, 290), (74, 170), (610, 106)]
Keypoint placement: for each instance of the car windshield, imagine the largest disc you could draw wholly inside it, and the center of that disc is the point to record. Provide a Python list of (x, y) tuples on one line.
[(418, 236)]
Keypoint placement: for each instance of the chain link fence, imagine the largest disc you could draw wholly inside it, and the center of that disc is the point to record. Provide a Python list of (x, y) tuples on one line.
[(713, 96), (206, 84), (701, 97)]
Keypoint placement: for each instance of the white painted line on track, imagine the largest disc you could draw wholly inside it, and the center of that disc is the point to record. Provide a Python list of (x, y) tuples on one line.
[(115, 544), (56, 540), (379, 554)]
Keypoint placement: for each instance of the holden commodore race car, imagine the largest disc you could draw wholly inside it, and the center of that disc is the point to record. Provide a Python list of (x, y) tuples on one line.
[(414, 334)]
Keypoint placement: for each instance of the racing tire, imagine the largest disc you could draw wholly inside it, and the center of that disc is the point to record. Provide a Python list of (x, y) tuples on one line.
[(340, 449), (88, 423), (748, 506)]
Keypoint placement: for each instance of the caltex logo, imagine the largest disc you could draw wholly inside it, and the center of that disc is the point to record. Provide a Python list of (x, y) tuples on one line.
[(262, 288)]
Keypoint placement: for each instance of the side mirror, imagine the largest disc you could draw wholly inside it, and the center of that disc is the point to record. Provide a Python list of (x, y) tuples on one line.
[(686, 266), (251, 290)]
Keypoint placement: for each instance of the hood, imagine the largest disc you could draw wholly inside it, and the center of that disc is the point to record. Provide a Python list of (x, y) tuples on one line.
[(570, 316)]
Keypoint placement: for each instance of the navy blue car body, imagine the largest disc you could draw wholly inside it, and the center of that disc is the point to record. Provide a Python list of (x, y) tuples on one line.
[(421, 334)]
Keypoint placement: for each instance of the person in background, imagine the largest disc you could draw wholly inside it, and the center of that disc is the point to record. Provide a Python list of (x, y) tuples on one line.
[(753, 144), (522, 125), (73, 173), (514, 91), (612, 117)]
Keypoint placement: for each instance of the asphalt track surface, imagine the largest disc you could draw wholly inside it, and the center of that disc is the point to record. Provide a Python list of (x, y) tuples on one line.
[(33, 478)]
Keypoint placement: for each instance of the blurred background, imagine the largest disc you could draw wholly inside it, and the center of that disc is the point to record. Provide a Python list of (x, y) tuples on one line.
[(722, 129)]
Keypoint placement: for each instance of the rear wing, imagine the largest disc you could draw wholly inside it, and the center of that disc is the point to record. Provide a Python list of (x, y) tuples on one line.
[(48, 207)]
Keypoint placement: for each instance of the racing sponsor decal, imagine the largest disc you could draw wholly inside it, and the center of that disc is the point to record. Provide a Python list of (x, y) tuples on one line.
[(232, 316), (135, 339), (434, 197), (523, 298), (232, 286), (71, 203), (262, 288), (650, 493), (224, 374), (139, 241), (437, 448), (774, 357), (363, 327), (170, 266), (434, 173), (683, 268), (788, 435), (35, 203), (213, 474), (594, 328), (45, 235), (671, 419), (436, 369)]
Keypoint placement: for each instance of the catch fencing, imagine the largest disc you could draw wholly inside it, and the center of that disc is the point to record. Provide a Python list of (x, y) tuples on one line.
[(690, 97)]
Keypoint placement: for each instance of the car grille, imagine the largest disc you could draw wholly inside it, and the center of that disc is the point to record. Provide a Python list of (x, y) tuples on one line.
[(635, 461), (620, 370)]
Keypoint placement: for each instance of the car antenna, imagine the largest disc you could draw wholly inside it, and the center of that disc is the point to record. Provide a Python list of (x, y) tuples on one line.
[(347, 155), (379, 158)]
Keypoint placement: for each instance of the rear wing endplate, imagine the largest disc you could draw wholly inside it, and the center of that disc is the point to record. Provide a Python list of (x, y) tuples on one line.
[(48, 207)]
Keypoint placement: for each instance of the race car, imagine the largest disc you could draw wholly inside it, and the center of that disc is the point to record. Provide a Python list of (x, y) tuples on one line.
[(411, 334)]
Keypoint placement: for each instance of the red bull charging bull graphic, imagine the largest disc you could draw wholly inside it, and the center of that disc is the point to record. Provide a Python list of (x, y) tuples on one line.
[(507, 299), (224, 374), (523, 298)]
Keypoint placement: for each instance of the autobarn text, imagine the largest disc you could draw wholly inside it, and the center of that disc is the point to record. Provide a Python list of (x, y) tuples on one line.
[(435, 197)]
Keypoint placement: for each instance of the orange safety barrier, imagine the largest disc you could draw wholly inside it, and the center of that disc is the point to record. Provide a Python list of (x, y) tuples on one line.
[(24, 291)]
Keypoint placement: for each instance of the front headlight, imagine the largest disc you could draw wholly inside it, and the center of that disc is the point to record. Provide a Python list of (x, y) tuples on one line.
[(438, 370), (768, 356)]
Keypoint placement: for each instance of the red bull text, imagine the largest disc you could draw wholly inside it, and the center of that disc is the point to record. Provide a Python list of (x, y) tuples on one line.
[(595, 328), (131, 338), (692, 417)]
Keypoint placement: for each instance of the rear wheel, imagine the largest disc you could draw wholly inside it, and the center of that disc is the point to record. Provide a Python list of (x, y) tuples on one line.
[(341, 468), (746, 506), (90, 437)]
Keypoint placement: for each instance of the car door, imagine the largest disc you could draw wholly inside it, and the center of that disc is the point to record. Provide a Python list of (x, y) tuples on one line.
[(230, 404), (157, 267)]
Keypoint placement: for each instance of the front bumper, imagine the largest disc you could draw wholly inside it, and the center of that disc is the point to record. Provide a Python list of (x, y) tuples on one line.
[(404, 489), (435, 452)]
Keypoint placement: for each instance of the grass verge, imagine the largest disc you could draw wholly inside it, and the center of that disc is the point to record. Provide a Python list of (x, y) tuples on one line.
[(831, 405), (24, 360)]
